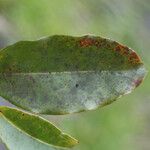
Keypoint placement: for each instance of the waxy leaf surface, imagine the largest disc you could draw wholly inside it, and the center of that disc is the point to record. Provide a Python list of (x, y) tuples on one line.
[(64, 74), (23, 131)]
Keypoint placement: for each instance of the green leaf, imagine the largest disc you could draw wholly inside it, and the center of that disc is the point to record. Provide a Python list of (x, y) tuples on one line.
[(23, 131), (64, 74)]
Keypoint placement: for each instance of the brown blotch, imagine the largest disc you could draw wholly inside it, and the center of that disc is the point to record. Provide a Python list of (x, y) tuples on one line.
[(97, 43), (131, 55), (134, 58), (117, 48), (122, 49), (85, 42)]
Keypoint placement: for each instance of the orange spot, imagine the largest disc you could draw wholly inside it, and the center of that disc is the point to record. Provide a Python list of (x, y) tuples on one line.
[(86, 42), (134, 55), (117, 48), (134, 58), (122, 49)]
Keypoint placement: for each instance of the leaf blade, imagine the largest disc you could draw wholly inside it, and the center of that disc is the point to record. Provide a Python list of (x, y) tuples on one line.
[(63, 74), (34, 128)]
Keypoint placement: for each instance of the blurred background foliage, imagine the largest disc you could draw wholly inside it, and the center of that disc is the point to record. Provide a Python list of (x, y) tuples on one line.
[(124, 125)]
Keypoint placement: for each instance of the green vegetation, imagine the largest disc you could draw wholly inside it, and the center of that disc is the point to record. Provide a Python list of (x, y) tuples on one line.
[(123, 125)]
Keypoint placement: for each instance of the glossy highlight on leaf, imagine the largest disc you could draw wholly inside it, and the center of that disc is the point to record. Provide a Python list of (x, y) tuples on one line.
[(33, 130), (65, 74)]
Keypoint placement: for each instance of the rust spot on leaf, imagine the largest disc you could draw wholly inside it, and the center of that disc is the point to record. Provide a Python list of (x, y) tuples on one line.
[(85, 42), (118, 49), (97, 43), (88, 41), (133, 58), (122, 49), (131, 55), (138, 82)]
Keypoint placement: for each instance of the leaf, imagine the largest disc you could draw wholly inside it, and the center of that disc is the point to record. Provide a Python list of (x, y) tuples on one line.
[(23, 131), (64, 74), (3, 145)]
